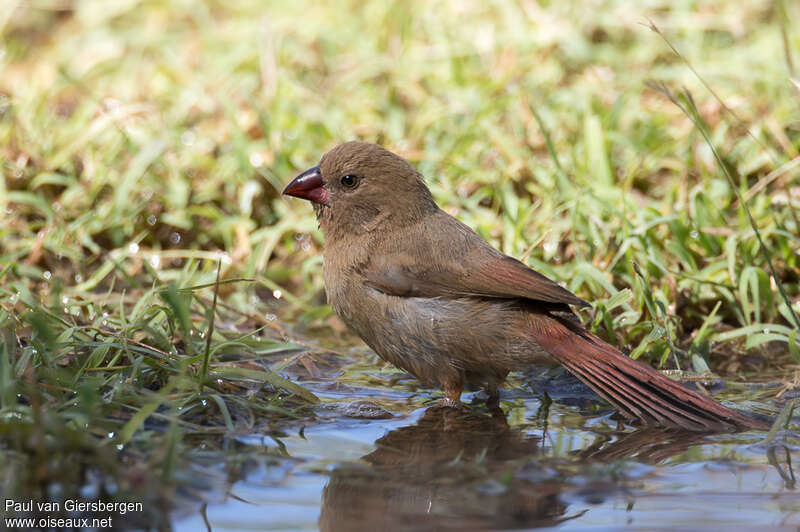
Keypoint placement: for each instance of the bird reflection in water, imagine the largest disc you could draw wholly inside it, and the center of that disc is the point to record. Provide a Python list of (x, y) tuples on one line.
[(457, 470)]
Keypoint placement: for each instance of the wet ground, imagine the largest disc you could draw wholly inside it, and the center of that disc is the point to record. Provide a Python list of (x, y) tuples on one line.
[(381, 456)]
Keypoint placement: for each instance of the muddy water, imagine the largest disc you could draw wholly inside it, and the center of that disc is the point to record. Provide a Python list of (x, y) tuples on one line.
[(379, 456)]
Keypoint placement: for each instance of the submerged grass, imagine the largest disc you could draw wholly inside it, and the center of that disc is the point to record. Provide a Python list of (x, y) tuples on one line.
[(148, 265)]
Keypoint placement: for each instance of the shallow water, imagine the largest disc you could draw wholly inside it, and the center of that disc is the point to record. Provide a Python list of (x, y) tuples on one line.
[(571, 465)]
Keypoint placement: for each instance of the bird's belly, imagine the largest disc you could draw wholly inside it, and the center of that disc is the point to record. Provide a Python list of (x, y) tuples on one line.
[(433, 338)]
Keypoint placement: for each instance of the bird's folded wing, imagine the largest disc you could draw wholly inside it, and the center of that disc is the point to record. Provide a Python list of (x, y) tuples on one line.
[(463, 266)]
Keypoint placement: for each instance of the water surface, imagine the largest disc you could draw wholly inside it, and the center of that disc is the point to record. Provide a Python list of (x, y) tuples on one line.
[(382, 457)]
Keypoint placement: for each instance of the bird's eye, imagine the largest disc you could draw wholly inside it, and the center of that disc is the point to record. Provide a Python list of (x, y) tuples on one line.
[(349, 181)]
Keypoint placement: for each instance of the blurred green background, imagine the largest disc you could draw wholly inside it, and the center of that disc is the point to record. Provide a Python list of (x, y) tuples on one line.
[(143, 142), (152, 131)]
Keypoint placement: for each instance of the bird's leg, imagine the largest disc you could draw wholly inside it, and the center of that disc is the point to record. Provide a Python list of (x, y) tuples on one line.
[(493, 385), (493, 401), (452, 392)]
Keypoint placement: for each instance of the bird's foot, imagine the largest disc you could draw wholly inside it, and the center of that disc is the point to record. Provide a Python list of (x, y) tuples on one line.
[(495, 410), (452, 394), (493, 401), (450, 402)]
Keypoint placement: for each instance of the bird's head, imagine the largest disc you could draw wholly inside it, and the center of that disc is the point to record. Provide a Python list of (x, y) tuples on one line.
[(357, 186)]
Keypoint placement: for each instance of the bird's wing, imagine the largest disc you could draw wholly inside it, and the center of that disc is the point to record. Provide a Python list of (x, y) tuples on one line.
[(441, 257)]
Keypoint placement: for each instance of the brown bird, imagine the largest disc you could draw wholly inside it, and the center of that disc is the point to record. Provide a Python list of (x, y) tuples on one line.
[(432, 297)]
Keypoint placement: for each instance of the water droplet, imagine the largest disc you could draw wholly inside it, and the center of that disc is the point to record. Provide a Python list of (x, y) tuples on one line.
[(766, 331), (78, 278), (105, 322), (201, 334), (65, 300), (133, 248), (204, 402), (111, 104), (151, 220), (120, 446), (188, 137), (155, 261), (219, 382), (147, 193), (256, 159), (175, 238), (277, 294), (110, 435), (47, 275), (271, 317), (694, 234)]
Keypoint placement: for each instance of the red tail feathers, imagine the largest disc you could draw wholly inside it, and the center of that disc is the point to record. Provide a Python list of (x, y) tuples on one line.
[(637, 390)]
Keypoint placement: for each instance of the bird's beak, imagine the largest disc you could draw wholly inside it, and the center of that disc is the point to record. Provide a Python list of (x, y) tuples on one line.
[(308, 185)]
